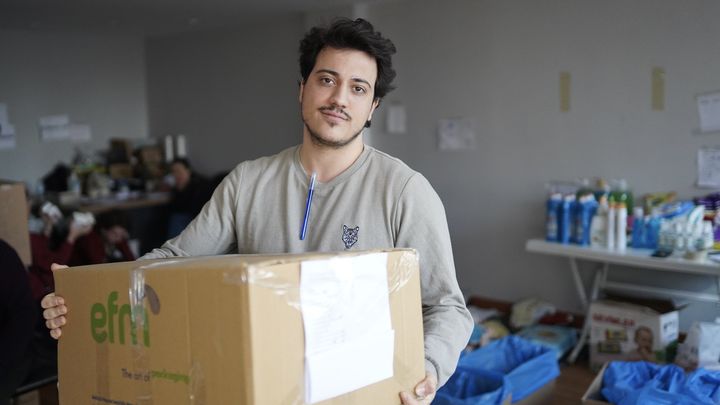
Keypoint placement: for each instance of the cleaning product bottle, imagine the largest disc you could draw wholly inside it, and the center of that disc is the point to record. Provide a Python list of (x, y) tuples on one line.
[(598, 224), (565, 218), (602, 188), (611, 222), (622, 194), (585, 209), (652, 229), (637, 238), (552, 219), (621, 227), (708, 235)]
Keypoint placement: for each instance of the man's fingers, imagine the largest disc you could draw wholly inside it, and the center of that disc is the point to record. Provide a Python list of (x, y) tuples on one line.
[(426, 387), (55, 323), (55, 312), (51, 301), (408, 399), (56, 267), (55, 333)]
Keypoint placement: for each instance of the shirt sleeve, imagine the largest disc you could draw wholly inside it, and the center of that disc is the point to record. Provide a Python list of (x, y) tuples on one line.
[(212, 232), (421, 224)]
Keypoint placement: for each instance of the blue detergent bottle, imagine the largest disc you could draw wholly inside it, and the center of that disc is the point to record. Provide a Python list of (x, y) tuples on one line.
[(552, 219)]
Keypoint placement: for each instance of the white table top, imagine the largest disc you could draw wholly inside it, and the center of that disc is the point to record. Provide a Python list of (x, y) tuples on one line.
[(630, 257)]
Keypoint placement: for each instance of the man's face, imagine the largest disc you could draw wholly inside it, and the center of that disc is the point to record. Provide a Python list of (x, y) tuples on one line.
[(181, 175), (338, 96)]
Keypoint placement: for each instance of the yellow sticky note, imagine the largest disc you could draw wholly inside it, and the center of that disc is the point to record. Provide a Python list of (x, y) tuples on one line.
[(658, 89), (564, 91)]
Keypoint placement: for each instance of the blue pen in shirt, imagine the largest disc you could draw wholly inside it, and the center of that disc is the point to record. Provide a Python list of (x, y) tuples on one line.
[(303, 230)]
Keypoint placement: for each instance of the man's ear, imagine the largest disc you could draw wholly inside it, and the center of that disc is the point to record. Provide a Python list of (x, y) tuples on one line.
[(301, 86), (374, 106)]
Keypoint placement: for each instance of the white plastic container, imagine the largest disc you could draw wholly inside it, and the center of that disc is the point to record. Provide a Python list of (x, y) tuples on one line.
[(621, 227), (611, 225)]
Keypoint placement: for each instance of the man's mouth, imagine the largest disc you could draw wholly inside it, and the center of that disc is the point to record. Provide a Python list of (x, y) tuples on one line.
[(332, 112)]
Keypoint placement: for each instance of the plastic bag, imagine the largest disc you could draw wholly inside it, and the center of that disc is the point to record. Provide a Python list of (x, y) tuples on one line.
[(473, 386), (522, 365), (644, 383)]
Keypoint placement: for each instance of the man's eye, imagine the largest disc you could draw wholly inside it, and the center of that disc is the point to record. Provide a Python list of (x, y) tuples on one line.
[(359, 90), (326, 80)]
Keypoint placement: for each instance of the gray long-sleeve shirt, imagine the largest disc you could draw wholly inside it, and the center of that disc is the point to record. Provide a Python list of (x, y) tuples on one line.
[(378, 202)]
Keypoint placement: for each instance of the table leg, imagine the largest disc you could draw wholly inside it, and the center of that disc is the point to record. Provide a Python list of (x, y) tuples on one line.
[(585, 334), (578, 283)]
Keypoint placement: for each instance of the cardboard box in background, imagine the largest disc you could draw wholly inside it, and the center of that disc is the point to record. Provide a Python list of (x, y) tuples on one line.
[(623, 331), (220, 330), (14, 218)]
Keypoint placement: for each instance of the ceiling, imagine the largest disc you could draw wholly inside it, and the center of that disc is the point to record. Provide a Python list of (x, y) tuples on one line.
[(150, 17)]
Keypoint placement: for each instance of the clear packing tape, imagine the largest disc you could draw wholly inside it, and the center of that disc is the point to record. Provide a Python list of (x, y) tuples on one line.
[(259, 297)]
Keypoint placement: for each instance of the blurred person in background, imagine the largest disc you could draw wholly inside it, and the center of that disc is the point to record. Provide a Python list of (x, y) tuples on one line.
[(107, 242), (52, 240), (190, 192), (18, 314)]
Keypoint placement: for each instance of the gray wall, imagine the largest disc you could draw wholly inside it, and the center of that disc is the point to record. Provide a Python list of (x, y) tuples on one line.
[(498, 64), (233, 95), (96, 79)]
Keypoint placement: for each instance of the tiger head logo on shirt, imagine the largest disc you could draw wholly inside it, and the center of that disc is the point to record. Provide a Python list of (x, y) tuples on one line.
[(350, 236)]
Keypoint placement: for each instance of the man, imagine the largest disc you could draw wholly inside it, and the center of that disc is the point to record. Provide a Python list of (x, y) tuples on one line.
[(364, 199), (189, 193), (18, 313)]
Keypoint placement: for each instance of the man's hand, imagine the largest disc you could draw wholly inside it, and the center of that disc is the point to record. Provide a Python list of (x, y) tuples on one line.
[(54, 309), (424, 392)]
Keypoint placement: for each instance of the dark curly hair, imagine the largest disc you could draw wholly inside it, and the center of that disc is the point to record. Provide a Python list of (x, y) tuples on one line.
[(345, 33)]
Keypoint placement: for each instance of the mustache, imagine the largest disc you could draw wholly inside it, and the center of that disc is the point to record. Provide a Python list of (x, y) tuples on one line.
[(335, 109)]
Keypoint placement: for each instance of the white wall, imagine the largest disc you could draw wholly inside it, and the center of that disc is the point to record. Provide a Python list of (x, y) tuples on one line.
[(498, 64), (234, 95), (96, 79)]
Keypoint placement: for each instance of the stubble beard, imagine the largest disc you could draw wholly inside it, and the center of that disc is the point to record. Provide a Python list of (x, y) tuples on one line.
[(318, 140)]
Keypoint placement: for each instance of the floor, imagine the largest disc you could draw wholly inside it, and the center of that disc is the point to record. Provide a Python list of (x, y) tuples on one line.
[(573, 382)]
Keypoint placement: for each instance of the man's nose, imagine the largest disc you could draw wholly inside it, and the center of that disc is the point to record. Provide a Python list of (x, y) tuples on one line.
[(339, 97)]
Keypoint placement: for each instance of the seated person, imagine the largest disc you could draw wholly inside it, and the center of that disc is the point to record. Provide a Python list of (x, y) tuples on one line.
[(106, 243), (190, 192), (52, 243), (18, 313)]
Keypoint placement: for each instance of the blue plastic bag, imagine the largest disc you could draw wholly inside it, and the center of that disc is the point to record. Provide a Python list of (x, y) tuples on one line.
[(522, 365), (473, 386), (644, 383)]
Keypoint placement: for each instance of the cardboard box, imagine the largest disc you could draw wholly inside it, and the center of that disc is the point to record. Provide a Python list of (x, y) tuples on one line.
[(593, 396), (221, 330), (622, 331), (14, 218)]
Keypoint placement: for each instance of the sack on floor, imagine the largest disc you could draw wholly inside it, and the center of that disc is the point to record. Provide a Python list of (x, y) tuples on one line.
[(522, 366), (644, 383)]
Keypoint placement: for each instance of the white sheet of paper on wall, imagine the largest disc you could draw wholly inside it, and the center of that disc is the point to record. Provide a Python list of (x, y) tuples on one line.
[(456, 134), (708, 167), (72, 132), (54, 121), (709, 110)]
